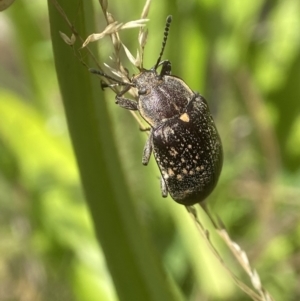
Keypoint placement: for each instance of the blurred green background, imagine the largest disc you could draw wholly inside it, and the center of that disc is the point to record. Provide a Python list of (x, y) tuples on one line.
[(244, 58)]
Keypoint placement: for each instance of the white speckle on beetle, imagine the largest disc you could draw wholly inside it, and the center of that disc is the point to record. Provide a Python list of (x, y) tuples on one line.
[(171, 172), (173, 152), (165, 175), (179, 177)]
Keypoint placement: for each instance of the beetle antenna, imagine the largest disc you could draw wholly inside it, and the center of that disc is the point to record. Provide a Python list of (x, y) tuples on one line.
[(119, 82), (166, 32)]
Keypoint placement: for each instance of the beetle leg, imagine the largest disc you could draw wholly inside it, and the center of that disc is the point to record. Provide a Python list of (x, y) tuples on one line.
[(145, 129), (163, 187), (126, 103), (147, 150)]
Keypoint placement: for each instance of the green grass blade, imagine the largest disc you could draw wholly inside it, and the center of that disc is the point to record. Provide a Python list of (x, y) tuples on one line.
[(136, 271)]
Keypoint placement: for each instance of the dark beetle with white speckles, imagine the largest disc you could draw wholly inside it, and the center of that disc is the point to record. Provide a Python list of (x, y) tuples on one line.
[(183, 136)]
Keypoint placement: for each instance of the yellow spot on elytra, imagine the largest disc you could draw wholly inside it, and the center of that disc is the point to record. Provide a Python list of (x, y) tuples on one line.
[(185, 117)]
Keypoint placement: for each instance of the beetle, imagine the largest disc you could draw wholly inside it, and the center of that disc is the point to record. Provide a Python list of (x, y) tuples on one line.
[(183, 137)]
